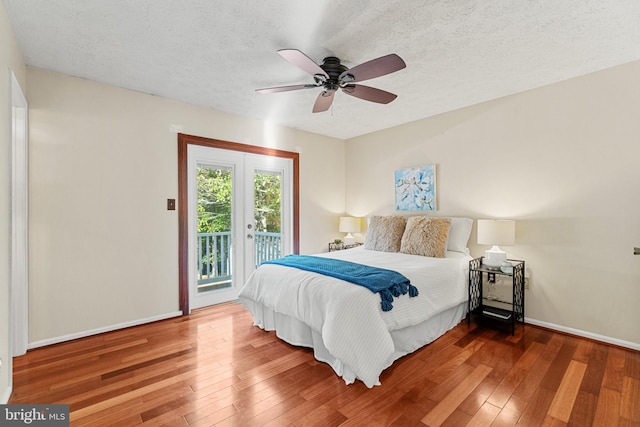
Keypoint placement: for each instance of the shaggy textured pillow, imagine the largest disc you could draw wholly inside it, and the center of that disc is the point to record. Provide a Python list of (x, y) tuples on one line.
[(385, 233), (425, 236)]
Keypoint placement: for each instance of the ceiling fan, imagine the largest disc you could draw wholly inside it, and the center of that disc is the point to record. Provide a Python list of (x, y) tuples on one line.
[(332, 75)]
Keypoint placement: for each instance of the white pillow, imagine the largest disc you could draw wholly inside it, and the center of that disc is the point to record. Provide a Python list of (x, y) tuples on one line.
[(459, 234)]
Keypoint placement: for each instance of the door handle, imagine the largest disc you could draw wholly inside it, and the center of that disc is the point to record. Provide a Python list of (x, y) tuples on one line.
[(636, 251)]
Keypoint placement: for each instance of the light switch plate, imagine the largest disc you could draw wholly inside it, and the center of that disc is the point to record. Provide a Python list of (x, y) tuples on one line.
[(171, 204)]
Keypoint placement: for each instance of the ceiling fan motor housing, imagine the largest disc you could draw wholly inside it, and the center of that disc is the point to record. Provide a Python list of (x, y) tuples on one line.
[(334, 69), (332, 66)]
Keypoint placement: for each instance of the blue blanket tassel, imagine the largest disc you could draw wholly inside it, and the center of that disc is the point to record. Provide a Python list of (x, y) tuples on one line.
[(413, 291), (386, 298)]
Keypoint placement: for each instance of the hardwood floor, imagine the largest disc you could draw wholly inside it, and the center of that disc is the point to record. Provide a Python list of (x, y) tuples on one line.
[(215, 368)]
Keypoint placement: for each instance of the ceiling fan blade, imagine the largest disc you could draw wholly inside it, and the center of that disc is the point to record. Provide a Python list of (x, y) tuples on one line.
[(323, 101), (375, 68), (369, 93), (285, 88), (302, 61)]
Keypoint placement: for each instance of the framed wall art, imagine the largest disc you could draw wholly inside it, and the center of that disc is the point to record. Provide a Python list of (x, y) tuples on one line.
[(416, 189)]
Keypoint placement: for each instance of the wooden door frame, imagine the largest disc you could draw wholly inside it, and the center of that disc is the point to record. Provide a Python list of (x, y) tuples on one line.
[(184, 141)]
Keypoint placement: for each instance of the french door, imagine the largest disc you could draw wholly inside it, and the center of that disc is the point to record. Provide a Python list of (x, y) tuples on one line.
[(239, 215)]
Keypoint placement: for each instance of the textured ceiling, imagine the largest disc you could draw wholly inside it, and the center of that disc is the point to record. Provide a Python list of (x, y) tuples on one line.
[(216, 53)]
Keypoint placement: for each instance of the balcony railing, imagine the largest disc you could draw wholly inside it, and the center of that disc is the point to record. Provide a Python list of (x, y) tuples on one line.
[(214, 256), (268, 246)]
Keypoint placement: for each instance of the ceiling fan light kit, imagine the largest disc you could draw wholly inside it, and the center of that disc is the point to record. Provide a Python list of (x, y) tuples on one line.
[(333, 76)]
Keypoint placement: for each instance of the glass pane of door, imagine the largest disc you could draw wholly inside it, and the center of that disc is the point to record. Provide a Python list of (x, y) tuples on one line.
[(214, 228), (267, 211)]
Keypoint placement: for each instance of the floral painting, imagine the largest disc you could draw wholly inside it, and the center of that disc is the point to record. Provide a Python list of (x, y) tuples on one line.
[(416, 189)]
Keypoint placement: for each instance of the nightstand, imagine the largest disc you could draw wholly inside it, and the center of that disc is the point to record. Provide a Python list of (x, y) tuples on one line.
[(340, 246), (501, 309)]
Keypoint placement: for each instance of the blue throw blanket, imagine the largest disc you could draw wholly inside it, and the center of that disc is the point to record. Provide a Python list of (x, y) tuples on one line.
[(387, 283)]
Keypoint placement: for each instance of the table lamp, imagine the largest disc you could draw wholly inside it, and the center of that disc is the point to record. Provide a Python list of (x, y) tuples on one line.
[(496, 232), (349, 225)]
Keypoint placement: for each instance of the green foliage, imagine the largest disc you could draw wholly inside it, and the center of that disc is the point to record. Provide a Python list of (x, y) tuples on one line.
[(214, 200), (215, 197), (266, 190)]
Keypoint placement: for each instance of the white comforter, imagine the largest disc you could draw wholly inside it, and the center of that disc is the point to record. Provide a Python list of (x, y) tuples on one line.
[(353, 327)]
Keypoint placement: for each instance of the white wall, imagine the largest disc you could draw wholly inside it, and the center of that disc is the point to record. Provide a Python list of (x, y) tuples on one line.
[(103, 247), (564, 161), (10, 60)]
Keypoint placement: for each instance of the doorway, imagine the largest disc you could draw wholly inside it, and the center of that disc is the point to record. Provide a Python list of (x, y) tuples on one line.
[(19, 291), (238, 207)]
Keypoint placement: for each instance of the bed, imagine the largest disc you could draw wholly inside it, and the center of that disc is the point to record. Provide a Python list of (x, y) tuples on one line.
[(344, 323)]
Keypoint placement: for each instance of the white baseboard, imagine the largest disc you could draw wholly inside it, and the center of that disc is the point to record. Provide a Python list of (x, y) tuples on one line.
[(84, 334), (580, 333), (6, 396)]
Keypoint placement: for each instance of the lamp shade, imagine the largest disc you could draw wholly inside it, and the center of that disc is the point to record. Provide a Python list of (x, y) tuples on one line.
[(499, 232), (349, 224)]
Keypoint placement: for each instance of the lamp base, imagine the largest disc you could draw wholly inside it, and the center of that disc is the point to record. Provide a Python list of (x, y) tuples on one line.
[(494, 257), (349, 239)]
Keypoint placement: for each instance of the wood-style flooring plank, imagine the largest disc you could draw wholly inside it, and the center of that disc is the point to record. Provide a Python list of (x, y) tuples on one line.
[(613, 373), (596, 365), (630, 399), (452, 400), (608, 409), (214, 368), (565, 397), (584, 409)]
